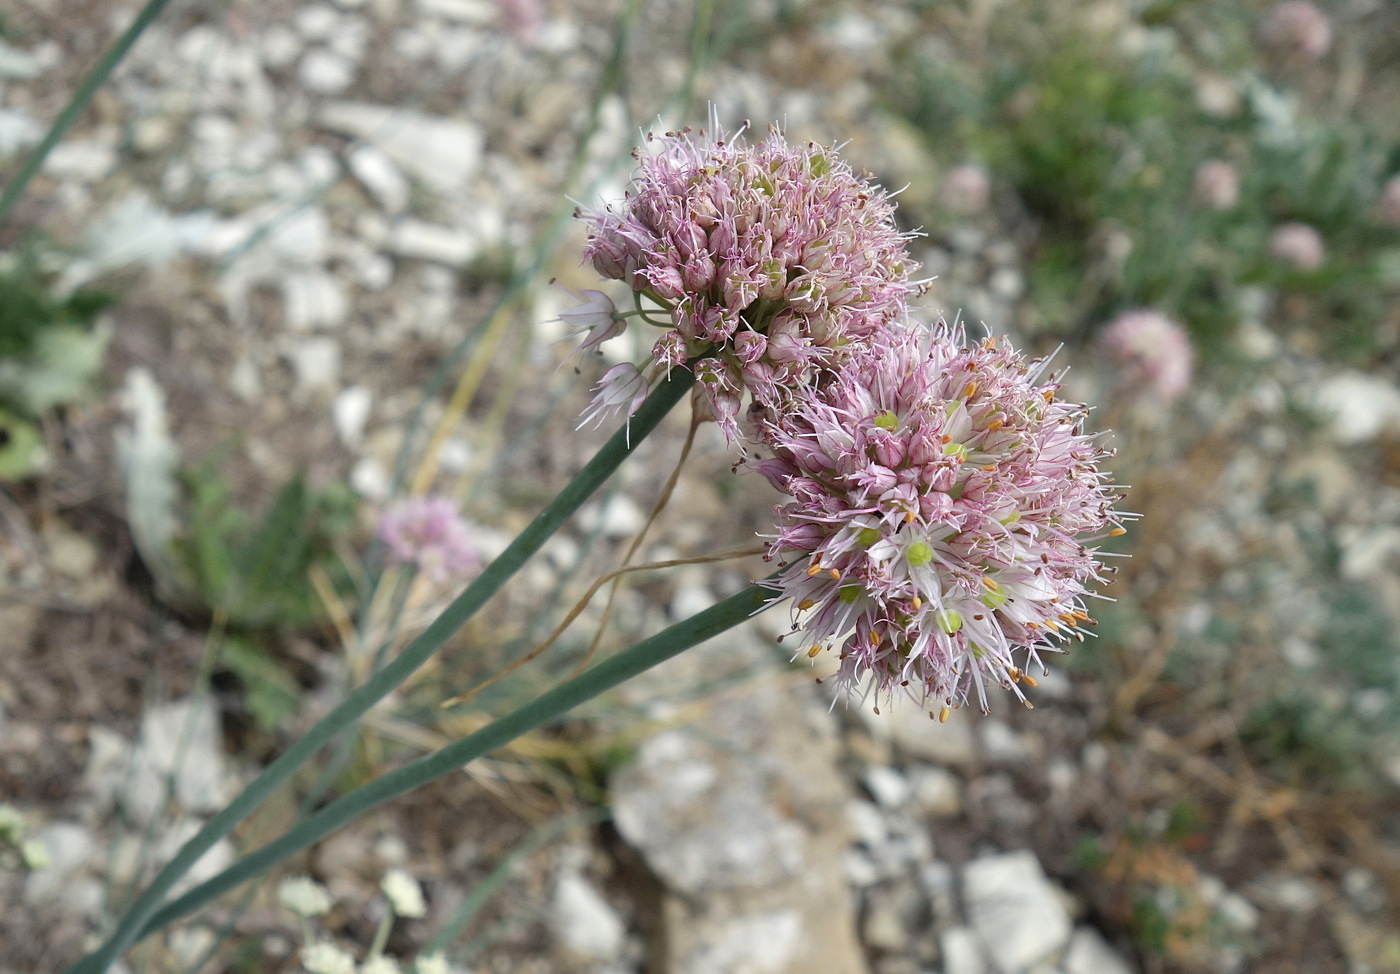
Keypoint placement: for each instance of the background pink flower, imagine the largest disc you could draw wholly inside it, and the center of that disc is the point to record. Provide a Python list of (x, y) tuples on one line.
[(1151, 350), (1298, 244), (431, 534), (1217, 184), (1390, 199), (1299, 28)]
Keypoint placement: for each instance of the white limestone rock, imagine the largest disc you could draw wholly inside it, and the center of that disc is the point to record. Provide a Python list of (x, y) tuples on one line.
[(1015, 910)]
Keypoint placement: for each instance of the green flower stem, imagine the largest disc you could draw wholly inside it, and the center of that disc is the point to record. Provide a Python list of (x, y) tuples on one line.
[(95, 79), (543, 709), (590, 478)]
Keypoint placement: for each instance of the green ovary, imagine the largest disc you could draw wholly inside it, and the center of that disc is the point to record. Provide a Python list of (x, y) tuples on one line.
[(949, 620), (993, 599), (887, 420), (919, 554), (848, 593), (867, 536)]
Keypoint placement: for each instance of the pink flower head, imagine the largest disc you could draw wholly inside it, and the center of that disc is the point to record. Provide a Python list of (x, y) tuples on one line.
[(1390, 200), (1217, 184), (771, 241), (1152, 350), (430, 534), (966, 189), (941, 504), (1298, 28), (1298, 244)]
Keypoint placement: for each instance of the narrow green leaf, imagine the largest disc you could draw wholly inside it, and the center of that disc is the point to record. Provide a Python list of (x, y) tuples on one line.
[(543, 709), (667, 393)]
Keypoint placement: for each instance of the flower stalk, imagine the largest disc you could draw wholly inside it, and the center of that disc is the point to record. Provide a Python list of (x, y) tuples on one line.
[(665, 395), (542, 710)]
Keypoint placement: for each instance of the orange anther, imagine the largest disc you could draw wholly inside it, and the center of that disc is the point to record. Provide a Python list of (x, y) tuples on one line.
[(806, 604), (990, 582), (811, 653)]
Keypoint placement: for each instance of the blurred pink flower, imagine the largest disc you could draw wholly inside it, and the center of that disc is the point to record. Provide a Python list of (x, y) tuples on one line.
[(430, 534), (1390, 199), (1297, 27), (1298, 244), (770, 260), (966, 189), (1217, 184), (521, 18), (1151, 350), (944, 505)]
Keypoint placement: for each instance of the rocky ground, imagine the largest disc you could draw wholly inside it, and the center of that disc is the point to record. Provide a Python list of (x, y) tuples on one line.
[(306, 208)]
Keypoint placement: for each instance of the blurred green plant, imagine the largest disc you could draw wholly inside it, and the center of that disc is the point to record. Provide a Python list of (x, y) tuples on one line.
[(257, 570), (1101, 133), (51, 348)]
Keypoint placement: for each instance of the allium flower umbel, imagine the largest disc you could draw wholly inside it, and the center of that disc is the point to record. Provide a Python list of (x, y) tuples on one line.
[(768, 260), (1152, 351), (430, 533), (944, 506)]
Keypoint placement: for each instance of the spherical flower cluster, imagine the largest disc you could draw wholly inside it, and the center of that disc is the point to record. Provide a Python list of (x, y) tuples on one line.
[(1217, 184), (1298, 244), (769, 261), (1298, 28), (431, 534), (942, 506), (1152, 351)]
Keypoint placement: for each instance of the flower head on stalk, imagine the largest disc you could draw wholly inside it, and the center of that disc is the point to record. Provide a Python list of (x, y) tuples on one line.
[(943, 507), (772, 259)]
